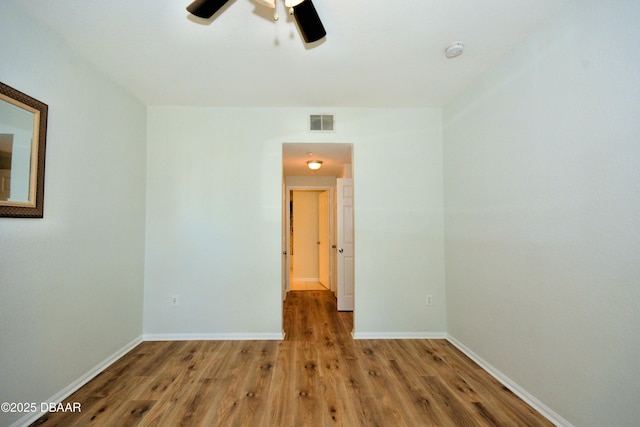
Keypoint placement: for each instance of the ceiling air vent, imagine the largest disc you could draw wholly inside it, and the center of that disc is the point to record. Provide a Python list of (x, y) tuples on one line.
[(321, 123)]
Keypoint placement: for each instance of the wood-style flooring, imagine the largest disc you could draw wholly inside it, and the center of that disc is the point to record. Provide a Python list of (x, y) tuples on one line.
[(317, 376)]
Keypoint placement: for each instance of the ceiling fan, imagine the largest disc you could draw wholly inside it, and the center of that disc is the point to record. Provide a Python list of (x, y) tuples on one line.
[(303, 11)]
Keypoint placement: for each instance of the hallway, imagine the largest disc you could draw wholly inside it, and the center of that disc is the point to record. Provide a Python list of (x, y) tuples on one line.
[(311, 315)]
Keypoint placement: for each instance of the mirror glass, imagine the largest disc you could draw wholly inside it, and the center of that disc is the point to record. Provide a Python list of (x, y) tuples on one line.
[(16, 147), (23, 134)]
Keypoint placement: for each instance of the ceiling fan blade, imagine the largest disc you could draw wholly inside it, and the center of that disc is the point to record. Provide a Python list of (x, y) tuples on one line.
[(308, 21), (267, 3), (205, 8)]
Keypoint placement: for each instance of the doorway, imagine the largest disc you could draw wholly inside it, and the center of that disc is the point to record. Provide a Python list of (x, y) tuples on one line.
[(310, 240), (317, 213)]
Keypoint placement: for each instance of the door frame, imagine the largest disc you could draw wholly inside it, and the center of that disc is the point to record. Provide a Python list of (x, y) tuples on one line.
[(287, 228)]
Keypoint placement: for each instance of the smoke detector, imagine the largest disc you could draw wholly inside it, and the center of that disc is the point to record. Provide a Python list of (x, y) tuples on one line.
[(455, 49)]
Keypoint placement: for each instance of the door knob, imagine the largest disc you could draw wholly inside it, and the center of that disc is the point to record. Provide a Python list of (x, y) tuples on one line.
[(284, 253), (340, 250)]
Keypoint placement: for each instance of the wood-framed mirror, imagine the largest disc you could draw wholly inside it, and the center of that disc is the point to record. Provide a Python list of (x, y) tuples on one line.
[(23, 139)]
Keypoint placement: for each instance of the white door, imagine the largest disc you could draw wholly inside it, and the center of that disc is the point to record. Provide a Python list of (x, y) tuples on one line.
[(5, 184), (285, 242), (344, 192), (323, 239)]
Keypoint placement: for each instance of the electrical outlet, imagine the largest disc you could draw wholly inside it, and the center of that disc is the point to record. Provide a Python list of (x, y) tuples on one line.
[(429, 300), (174, 300)]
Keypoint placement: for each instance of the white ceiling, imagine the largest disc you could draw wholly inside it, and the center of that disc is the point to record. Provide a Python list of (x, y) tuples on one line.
[(376, 53)]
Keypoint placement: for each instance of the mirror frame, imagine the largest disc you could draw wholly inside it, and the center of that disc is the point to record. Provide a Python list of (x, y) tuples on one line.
[(34, 208)]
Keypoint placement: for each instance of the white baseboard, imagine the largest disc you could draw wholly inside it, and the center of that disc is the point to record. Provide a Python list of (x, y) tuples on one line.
[(278, 336), (74, 386), (399, 335), (543, 409)]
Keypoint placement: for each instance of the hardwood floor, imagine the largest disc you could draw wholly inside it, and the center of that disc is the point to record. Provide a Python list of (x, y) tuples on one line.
[(317, 376)]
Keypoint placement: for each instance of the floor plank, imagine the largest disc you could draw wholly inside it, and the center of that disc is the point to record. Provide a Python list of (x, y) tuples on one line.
[(317, 376)]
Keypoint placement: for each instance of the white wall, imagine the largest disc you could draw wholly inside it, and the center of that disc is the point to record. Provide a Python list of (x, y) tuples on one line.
[(70, 283), (542, 195), (311, 181), (214, 200)]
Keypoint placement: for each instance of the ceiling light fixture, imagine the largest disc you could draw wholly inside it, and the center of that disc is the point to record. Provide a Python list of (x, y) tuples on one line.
[(303, 11), (314, 165)]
